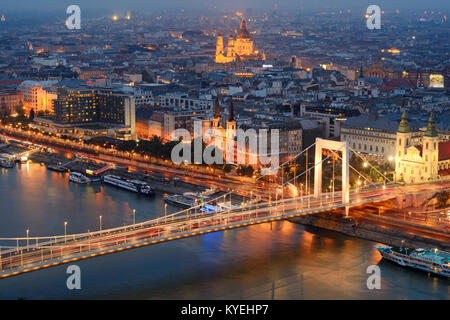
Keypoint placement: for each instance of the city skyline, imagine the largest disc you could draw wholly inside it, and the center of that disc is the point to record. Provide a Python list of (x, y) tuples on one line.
[(199, 150), (211, 5)]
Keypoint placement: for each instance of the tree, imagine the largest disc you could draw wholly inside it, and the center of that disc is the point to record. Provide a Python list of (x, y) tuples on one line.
[(245, 171), (443, 199), (227, 168), (31, 117), (127, 146), (20, 111)]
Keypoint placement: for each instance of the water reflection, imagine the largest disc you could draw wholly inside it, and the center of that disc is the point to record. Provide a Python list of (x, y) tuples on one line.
[(279, 260)]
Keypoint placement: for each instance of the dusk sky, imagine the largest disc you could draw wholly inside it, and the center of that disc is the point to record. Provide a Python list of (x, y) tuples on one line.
[(153, 5)]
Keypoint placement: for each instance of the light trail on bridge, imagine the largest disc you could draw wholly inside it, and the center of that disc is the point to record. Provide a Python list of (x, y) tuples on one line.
[(60, 250), (19, 256)]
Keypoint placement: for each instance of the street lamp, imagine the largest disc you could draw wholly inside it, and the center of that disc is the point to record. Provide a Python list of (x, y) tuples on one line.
[(28, 231), (65, 231), (165, 213), (100, 223), (134, 216)]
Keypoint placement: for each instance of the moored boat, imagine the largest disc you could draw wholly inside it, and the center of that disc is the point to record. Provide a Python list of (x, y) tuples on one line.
[(56, 168), (192, 199), (435, 261), (182, 201), (189, 199), (137, 186), (78, 178), (5, 163)]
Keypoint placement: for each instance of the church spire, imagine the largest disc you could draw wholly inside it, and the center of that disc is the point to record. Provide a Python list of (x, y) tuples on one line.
[(217, 113), (243, 32), (231, 111), (431, 128), (243, 25), (404, 125)]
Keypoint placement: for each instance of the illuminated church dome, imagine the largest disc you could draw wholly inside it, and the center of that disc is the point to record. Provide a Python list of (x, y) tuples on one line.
[(237, 49)]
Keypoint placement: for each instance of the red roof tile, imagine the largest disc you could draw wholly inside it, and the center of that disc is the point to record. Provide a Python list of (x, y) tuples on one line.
[(444, 150)]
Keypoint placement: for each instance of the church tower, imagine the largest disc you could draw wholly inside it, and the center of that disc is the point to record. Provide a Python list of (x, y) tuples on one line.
[(231, 122), (361, 81), (230, 46), (217, 117), (231, 134), (219, 47), (403, 139), (430, 150)]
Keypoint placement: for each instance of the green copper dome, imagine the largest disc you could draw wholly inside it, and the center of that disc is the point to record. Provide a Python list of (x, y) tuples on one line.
[(404, 126), (431, 128)]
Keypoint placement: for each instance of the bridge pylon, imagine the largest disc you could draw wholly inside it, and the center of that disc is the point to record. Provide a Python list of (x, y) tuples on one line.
[(334, 146)]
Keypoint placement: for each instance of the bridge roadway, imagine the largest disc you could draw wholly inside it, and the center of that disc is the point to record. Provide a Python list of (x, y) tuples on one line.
[(55, 250)]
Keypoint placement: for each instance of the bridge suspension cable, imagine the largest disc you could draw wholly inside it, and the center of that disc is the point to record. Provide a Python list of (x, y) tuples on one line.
[(359, 173), (369, 164), (187, 211), (302, 173)]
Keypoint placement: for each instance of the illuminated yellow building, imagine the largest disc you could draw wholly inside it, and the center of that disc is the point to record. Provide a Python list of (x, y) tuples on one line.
[(427, 161), (436, 81), (37, 95), (239, 48)]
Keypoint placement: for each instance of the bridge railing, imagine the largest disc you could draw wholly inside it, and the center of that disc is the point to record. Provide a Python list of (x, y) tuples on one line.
[(89, 244), (43, 252)]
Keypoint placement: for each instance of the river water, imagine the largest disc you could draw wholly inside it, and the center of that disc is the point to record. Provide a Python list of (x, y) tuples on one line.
[(270, 261)]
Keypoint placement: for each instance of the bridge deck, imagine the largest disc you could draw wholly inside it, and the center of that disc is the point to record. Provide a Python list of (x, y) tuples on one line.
[(60, 250)]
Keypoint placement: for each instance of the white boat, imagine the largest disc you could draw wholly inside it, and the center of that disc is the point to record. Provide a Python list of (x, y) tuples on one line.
[(192, 199), (435, 261), (137, 186), (78, 178), (5, 163), (189, 199), (80, 156)]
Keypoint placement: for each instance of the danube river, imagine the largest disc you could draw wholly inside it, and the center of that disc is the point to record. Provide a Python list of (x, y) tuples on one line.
[(279, 260)]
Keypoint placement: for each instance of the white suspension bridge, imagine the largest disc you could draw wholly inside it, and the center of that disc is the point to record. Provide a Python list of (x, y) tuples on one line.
[(25, 254)]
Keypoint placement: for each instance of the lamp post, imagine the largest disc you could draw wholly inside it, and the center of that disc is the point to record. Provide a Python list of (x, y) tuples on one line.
[(28, 231), (65, 231), (134, 216), (165, 213), (100, 223)]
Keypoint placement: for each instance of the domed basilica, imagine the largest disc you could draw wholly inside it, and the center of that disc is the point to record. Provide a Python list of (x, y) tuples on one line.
[(237, 49)]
